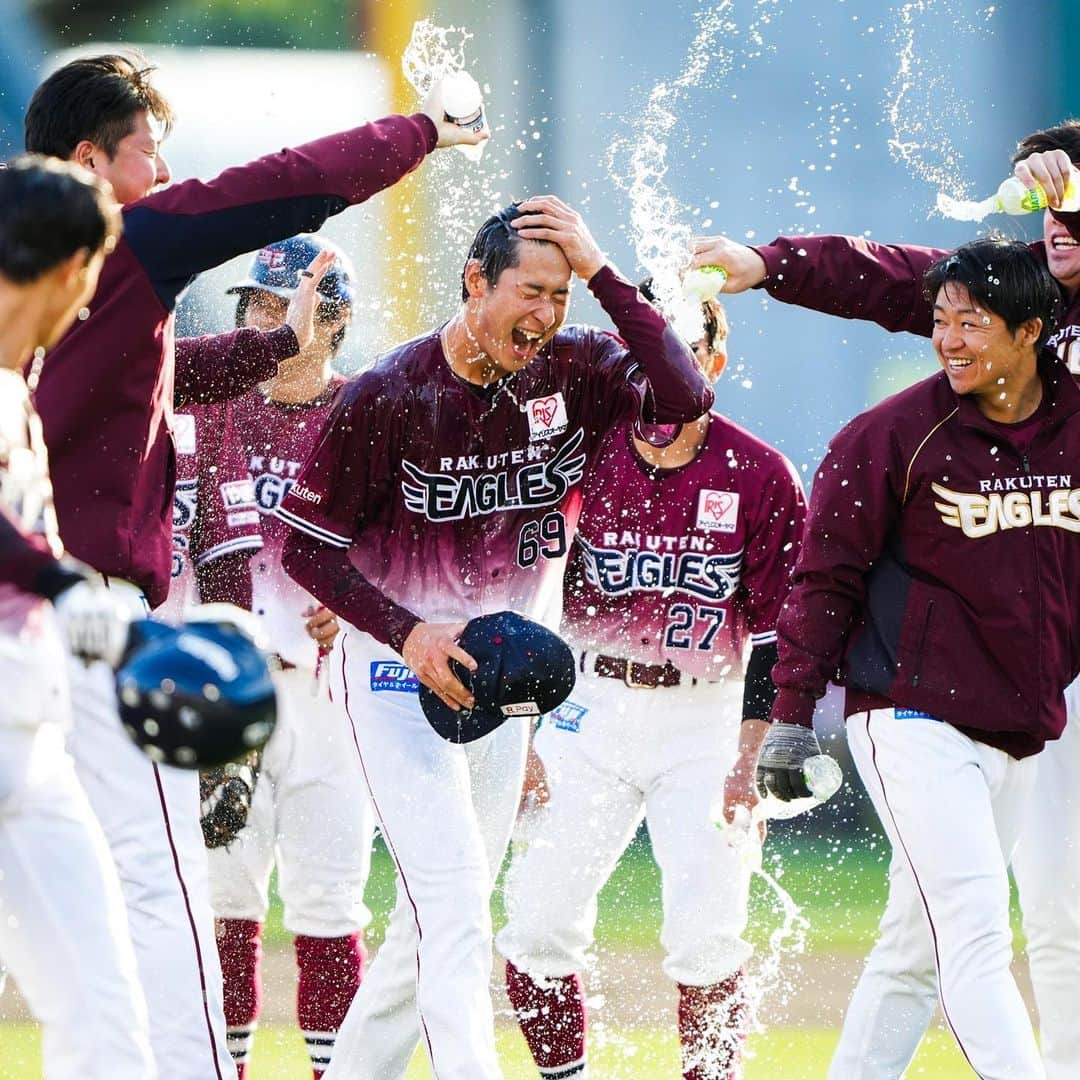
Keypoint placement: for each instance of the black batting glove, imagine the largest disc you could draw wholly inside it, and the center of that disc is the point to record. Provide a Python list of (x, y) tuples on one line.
[(780, 762)]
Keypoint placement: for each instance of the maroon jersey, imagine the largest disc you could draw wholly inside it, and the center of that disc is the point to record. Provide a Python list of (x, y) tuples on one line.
[(214, 501), (106, 394), (687, 565), (457, 500), (275, 439)]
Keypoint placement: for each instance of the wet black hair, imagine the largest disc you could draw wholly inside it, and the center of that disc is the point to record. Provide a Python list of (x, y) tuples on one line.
[(49, 210), (1003, 276), (95, 98), (1064, 136), (496, 246)]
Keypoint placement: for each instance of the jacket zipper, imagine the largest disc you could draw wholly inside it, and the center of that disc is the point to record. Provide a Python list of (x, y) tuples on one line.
[(922, 643)]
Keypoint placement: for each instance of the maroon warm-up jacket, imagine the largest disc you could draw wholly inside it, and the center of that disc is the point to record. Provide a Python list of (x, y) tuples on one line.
[(106, 391)]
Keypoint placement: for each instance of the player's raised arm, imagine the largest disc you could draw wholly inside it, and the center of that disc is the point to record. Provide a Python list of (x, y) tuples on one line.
[(677, 391), (847, 276)]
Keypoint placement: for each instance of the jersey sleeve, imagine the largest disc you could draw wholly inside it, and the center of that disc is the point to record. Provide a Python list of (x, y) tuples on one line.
[(219, 367), (840, 544), (227, 517), (772, 547), (27, 563), (854, 278), (195, 225), (648, 370)]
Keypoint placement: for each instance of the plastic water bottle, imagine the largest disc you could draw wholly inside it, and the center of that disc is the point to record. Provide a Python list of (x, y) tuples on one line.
[(1011, 197), (464, 105), (823, 777), (703, 283)]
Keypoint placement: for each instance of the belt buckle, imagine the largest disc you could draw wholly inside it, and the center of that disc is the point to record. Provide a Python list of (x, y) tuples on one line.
[(628, 678)]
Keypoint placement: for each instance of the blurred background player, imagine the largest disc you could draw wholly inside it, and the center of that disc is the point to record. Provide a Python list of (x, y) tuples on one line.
[(681, 560), (310, 815), (106, 403), (448, 473), (63, 928), (939, 574), (862, 279)]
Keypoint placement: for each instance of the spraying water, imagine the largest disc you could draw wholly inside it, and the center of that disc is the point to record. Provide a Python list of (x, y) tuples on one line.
[(923, 107)]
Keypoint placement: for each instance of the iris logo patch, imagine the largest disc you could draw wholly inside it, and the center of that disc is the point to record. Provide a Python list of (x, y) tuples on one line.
[(394, 676), (718, 511), (568, 716), (547, 416)]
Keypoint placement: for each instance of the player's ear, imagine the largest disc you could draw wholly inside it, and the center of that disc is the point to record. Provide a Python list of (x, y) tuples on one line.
[(714, 366), (86, 154), (1028, 332), (476, 283)]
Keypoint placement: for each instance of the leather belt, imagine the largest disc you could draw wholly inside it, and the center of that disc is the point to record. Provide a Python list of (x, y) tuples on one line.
[(635, 675)]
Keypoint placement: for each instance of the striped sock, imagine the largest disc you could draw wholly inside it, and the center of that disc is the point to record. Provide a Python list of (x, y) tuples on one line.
[(239, 1040), (330, 973), (551, 1014)]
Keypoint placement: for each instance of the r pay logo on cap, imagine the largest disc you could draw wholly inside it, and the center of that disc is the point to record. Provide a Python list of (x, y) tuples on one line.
[(547, 416), (718, 511)]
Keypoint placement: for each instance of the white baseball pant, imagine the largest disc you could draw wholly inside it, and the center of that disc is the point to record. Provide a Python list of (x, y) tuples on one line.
[(446, 813), (150, 816), (953, 810), (1046, 866), (63, 928), (310, 814), (612, 755)]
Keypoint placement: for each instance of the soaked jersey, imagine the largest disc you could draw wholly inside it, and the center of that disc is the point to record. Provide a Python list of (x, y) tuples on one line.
[(213, 503), (25, 496), (688, 565), (276, 439)]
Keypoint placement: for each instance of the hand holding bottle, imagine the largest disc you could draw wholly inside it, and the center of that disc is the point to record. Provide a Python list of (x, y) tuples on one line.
[(1053, 173)]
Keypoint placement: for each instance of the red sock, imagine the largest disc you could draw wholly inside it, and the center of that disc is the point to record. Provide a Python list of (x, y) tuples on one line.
[(551, 1015), (239, 943), (330, 973), (713, 1024)]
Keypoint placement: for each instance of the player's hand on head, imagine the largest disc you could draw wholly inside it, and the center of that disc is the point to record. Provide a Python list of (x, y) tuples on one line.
[(450, 134), (321, 625), (745, 267), (1050, 168), (780, 765), (739, 785), (300, 314), (96, 621), (428, 650), (545, 217)]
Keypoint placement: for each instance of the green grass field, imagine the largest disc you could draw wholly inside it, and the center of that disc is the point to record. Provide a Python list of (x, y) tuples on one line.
[(784, 1054), (840, 886)]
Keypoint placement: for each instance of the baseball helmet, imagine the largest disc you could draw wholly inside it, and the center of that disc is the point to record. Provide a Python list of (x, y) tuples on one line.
[(195, 695), (276, 269), (523, 669)]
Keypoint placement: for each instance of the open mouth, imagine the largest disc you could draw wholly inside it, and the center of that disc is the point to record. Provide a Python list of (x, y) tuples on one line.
[(1064, 243), (525, 343), (958, 363)]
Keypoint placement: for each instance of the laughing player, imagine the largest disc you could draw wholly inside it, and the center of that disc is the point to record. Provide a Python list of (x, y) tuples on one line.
[(444, 488)]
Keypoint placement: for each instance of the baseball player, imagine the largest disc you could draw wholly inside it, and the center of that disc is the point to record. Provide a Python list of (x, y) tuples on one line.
[(939, 570), (310, 813), (681, 559), (63, 930), (114, 476), (444, 487), (857, 278)]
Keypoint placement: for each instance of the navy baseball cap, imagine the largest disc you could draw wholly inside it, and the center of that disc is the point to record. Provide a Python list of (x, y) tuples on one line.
[(523, 669), (276, 269)]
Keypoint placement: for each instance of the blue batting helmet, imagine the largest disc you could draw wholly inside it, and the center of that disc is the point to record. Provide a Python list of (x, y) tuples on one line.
[(196, 695), (276, 269)]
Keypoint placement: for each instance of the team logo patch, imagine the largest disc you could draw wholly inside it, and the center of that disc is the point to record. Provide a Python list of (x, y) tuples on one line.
[(238, 493), (272, 258), (547, 416), (521, 708), (718, 511), (391, 675), (184, 433), (568, 716)]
